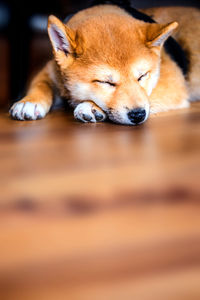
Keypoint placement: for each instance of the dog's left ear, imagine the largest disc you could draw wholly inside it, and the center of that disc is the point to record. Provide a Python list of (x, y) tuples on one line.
[(157, 34), (62, 37)]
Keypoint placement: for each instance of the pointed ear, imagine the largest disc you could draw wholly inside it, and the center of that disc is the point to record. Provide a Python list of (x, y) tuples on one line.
[(62, 37), (157, 34)]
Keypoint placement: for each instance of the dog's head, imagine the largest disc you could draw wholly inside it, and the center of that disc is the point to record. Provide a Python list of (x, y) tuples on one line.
[(113, 61)]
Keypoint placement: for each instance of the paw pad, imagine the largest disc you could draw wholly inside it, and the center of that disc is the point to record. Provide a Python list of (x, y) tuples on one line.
[(27, 111), (86, 113)]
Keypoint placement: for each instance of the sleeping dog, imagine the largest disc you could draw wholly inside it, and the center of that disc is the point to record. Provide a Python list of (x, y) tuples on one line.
[(112, 61)]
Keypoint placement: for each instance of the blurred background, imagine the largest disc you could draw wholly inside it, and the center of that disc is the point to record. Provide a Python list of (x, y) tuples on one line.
[(24, 44)]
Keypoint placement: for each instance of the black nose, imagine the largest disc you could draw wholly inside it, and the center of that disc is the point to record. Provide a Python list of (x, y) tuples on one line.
[(137, 115)]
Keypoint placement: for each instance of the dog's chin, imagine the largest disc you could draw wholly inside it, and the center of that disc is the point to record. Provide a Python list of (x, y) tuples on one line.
[(123, 120)]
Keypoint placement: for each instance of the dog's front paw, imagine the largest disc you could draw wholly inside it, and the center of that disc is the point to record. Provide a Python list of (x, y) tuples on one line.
[(89, 112), (25, 110)]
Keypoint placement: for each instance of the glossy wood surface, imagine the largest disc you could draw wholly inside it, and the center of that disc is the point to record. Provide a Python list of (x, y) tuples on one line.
[(100, 211)]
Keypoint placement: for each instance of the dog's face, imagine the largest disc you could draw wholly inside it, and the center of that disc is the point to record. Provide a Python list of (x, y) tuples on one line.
[(113, 62)]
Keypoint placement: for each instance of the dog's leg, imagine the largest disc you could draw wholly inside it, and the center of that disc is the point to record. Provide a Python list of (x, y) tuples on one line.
[(88, 111), (36, 104)]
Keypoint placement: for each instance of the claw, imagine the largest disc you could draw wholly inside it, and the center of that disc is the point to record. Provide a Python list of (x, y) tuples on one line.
[(27, 111)]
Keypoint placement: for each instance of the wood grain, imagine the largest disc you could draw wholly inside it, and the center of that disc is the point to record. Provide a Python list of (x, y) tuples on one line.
[(100, 211)]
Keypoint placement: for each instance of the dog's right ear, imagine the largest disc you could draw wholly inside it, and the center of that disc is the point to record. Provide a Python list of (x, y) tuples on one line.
[(157, 34), (62, 37)]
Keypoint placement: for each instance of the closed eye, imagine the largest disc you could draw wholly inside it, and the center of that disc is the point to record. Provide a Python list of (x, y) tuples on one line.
[(105, 82), (142, 76)]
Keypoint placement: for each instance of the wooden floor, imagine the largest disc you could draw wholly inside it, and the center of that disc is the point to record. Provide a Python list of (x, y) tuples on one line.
[(100, 211)]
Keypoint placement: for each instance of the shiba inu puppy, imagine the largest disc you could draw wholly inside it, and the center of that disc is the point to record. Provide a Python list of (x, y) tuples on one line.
[(108, 63)]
